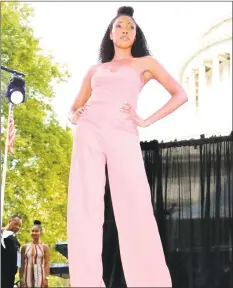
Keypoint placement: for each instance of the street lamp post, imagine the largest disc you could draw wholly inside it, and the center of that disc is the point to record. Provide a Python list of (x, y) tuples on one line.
[(15, 93)]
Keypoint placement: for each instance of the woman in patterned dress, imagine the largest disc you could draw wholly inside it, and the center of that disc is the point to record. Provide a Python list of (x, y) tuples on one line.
[(35, 265)]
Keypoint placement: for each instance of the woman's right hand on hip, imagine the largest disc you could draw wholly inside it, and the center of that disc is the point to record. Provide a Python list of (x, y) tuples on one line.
[(74, 116)]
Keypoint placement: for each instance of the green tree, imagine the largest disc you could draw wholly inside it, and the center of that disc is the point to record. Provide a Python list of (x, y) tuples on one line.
[(37, 176)]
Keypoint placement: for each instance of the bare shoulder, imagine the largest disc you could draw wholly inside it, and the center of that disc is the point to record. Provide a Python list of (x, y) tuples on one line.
[(144, 63), (156, 71), (45, 246), (23, 248), (147, 62)]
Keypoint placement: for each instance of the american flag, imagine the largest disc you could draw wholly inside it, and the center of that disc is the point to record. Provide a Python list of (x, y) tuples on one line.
[(11, 132)]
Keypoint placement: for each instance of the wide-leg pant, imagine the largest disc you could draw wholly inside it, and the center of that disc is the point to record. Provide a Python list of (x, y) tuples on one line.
[(140, 245)]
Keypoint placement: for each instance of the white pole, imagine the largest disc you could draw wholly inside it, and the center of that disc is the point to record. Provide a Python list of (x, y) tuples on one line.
[(5, 164)]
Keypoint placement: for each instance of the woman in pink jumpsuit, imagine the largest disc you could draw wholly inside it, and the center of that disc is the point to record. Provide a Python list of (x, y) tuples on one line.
[(106, 133)]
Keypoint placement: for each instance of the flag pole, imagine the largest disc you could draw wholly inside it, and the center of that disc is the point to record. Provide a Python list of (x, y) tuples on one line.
[(4, 170)]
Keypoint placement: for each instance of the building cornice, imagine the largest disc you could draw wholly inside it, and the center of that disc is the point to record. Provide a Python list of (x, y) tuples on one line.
[(209, 40), (199, 52)]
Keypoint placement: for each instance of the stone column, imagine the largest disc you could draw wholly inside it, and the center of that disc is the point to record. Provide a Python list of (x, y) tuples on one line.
[(192, 104), (227, 96), (215, 73), (215, 92), (230, 94), (202, 89), (231, 66)]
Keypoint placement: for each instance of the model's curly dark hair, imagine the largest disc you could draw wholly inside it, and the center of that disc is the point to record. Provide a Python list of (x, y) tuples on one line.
[(139, 48)]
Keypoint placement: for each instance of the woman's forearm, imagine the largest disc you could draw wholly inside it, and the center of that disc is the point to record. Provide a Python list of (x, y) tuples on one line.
[(47, 270), (175, 102), (76, 105), (21, 272)]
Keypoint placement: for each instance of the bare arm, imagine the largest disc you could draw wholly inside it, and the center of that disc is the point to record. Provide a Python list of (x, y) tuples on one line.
[(178, 95), (46, 260), (82, 97), (21, 271), (85, 90)]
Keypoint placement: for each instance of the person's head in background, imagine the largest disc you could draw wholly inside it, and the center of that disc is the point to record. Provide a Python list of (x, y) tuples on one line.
[(36, 231), (14, 224), (123, 33)]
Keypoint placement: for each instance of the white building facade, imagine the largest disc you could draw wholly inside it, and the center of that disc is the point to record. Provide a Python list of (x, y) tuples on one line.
[(207, 79)]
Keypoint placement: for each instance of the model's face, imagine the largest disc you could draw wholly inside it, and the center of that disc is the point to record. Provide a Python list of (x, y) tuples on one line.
[(35, 232), (14, 225), (123, 32)]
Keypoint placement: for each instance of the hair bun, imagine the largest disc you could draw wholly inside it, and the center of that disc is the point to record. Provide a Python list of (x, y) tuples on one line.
[(126, 10), (37, 222)]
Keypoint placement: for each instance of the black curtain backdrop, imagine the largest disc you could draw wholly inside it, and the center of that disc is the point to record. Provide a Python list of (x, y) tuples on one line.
[(191, 192)]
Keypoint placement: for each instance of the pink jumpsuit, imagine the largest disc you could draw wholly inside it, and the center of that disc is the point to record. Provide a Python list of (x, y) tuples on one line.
[(104, 136)]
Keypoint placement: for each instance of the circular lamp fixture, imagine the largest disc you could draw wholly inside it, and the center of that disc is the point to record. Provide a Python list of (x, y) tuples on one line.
[(15, 91)]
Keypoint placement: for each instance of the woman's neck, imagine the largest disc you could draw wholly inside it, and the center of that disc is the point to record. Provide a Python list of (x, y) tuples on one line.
[(36, 241), (122, 54), (121, 58)]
